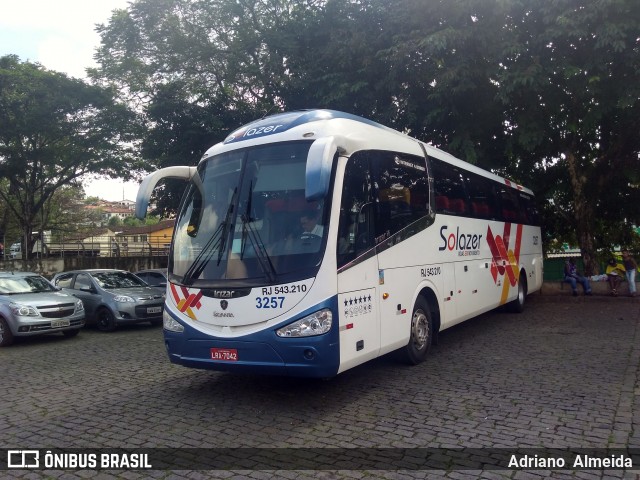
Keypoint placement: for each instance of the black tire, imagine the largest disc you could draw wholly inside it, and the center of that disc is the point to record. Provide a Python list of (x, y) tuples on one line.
[(421, 335), (105, 321), (517, 305), (71, 333), (6, 336)]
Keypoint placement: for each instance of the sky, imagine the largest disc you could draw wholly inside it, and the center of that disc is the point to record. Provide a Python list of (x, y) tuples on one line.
[(60, 35)]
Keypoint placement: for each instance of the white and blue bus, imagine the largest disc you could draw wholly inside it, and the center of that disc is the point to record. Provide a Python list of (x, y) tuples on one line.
[(310, 242)]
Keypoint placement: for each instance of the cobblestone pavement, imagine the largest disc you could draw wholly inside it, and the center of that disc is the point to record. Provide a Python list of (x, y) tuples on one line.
[(564, 374)]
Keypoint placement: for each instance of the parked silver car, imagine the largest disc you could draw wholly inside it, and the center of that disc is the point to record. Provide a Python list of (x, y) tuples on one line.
[(113, 297), (30, 305)]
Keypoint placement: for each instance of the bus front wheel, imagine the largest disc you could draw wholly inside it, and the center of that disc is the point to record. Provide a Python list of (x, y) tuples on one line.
[(421, 334)]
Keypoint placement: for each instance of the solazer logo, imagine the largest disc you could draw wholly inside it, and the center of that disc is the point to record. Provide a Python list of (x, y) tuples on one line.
[(464, 243)]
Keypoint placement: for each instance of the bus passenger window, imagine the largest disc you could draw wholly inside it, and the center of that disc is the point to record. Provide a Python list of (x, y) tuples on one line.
[(482, 194), (402, 191), (451, 195)]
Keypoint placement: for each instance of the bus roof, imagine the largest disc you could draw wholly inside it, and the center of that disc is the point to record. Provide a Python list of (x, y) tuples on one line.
[(332, 122)]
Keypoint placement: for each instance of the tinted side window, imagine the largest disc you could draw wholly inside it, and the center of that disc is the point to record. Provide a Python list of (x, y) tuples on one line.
[(528, 209), (401, 191), (155, 278), (509, 204), (451, 195), (483, 197)]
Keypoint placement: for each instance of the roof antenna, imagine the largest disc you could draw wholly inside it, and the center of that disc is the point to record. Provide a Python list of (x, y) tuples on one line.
[(273, 107)]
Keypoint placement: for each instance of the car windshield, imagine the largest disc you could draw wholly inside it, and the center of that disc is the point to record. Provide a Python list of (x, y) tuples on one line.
[(30, 284), (245, 218), (109, 280)]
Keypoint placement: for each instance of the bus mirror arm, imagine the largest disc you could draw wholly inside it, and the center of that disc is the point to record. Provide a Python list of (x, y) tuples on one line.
[(319, 163), (151, 180)]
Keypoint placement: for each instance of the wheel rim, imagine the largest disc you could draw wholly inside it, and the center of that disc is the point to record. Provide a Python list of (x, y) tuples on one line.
[(419, 329)]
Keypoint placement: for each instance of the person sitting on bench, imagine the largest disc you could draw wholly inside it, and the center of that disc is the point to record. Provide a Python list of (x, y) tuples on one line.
[(572, 277)]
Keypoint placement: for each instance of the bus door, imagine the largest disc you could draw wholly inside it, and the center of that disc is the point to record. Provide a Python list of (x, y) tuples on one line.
[(449, 295), (468, 288), (359, 319)]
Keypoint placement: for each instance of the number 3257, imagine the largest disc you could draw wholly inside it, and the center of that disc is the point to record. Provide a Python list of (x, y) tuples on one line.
[(269, 302)]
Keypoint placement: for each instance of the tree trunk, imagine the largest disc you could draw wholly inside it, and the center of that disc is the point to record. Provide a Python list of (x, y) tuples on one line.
[(583, 215)]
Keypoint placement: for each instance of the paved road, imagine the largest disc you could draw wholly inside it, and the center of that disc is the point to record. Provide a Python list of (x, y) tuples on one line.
[(564, 374)]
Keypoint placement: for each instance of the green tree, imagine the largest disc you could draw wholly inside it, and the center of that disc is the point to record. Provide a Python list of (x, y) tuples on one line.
[(54, 130), (545, 93), (569, 82)]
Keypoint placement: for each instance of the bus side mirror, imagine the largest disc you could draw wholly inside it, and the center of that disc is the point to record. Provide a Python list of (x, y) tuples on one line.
[(150, 181), (319, 163)]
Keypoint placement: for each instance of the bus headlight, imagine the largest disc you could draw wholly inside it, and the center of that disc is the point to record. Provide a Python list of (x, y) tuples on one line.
[(168, 323), (314, 324)]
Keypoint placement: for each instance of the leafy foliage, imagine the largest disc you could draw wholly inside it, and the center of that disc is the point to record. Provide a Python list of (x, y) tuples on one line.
[(54, 130), (546, 93)]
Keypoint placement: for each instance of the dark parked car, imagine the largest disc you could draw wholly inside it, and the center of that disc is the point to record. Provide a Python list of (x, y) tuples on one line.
[(155, 277), (30, 305), (113, 297)]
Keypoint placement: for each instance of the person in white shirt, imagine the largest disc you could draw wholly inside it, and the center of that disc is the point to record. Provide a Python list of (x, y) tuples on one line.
[(309, 224)]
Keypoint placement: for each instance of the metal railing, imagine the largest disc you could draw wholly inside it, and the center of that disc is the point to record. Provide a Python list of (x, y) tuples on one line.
[(120, 246)]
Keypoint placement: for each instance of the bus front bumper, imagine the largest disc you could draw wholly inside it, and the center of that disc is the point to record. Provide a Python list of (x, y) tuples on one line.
[(260, 353)]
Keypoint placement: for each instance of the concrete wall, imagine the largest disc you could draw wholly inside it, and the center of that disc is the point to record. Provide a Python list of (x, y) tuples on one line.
[(50, 266)]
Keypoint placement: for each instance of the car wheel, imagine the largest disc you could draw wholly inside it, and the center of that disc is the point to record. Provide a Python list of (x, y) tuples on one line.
[(421, 334), (105, 320), (6, 337), (71, 333)]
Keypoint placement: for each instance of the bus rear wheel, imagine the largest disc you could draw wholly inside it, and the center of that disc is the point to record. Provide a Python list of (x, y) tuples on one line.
[(421, 334), (517, 305)]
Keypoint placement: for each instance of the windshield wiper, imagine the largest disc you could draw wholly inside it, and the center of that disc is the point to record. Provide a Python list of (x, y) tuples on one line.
[(258, 245), (217, 240), (261, 252)]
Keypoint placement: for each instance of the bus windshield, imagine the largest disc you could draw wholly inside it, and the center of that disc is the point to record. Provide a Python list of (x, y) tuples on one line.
[(245, 219)]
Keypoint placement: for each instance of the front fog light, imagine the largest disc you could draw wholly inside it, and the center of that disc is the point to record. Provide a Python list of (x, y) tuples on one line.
[(170, 324), (314, 324)]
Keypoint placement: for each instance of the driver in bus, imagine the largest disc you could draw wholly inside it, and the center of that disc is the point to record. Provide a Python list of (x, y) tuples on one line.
[(299, 238), (309, 223)]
